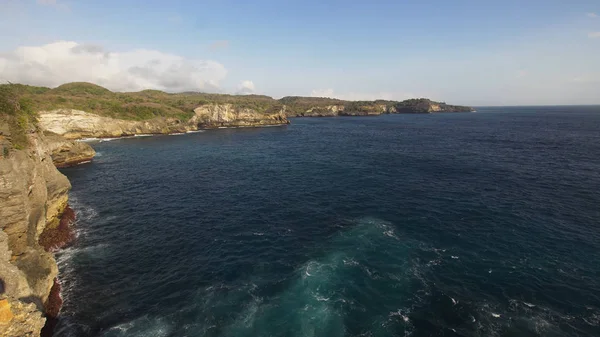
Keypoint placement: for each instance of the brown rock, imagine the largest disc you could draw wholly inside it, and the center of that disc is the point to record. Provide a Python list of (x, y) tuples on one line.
[(27, 320), (66, 152), (6, 314), (53, 238)]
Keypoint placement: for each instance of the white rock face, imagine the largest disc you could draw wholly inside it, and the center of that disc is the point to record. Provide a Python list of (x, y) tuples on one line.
[(64, 121), (76, 124), (216, 115)]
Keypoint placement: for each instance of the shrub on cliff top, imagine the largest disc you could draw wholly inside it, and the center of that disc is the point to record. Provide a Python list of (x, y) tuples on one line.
[(18, 113)]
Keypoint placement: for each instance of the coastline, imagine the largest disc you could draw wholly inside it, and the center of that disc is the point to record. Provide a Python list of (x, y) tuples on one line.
[(54, 232), (35, 216)]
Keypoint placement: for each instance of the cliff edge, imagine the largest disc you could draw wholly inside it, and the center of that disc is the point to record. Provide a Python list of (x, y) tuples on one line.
[(33, 199), (85, 110)]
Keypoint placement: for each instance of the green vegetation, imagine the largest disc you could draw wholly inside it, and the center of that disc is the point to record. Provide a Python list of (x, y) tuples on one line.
[(143, 105), (149, 104), (297, 106), (17, 116)]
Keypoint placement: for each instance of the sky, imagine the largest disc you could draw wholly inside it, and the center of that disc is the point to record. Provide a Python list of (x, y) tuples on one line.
[(469, 52)]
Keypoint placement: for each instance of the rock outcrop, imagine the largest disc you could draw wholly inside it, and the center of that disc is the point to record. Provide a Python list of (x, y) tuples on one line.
[(229, 115), (66, 152), (19, 319), (33, 198), (77, 124)]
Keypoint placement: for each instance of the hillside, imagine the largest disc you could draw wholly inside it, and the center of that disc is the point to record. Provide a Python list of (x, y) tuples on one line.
[(149, 104), (17, 118), (143, 105)]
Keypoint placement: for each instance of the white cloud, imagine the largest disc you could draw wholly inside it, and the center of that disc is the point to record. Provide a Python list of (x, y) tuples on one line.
[(322, 93), (246, 87), (363, 96), (594, 35), (592, 15), (61, 62)]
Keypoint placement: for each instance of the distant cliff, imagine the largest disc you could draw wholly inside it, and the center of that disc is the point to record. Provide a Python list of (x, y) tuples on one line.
[(328, 107), (80, 110)]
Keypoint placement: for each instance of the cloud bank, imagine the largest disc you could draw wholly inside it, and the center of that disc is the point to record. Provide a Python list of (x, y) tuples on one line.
[(246, 87), (64, 61)]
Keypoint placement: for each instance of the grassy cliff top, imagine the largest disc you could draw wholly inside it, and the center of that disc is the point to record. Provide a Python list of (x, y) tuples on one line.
[(142, 105), (17, 118), (148, 104)]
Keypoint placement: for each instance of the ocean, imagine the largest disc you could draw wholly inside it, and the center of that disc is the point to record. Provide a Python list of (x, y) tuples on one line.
[(456, 224)]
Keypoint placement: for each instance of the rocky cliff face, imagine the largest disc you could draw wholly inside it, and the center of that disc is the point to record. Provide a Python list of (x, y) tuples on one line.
[(33, 197), (66, 152), (351, 109), (76, 124), (321, 107), (229, 115)]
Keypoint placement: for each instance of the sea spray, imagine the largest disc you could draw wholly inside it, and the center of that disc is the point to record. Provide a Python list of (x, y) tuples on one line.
[(327, 291)]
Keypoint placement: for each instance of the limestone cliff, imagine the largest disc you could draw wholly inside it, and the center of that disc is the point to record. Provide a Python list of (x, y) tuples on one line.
[(66, 152), (33, 196), (76, 124), (229, 115), (329, 107)]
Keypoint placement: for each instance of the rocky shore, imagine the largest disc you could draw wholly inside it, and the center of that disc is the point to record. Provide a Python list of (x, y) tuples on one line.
[(35, 216), (35, 219)]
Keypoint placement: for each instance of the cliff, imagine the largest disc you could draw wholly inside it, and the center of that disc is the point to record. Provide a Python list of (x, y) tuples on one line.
[(328, 107), (76, 124), (229, 115), (33, 199), (81, 110), (66, 152), (84, 110), (33, 195)]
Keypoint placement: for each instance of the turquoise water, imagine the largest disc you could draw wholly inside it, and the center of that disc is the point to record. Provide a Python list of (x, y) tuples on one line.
[(482, 224)]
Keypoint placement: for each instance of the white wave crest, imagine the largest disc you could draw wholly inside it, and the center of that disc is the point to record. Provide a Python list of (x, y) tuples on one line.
[(141, 327)]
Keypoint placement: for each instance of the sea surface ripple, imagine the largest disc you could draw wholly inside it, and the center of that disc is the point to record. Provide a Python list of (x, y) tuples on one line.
[(476, 224)]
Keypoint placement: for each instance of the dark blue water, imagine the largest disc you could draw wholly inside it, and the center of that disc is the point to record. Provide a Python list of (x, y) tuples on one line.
[(481, 224)]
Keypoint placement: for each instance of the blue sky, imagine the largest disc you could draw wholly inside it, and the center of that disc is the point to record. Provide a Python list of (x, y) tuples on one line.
[(464, 52)]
